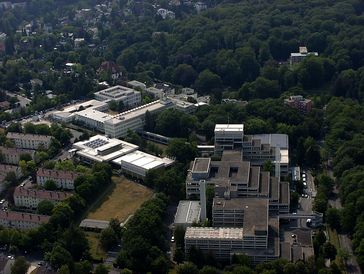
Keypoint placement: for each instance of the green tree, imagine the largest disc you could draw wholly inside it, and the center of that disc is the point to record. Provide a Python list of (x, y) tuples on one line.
[(187, 268), (20, 266), (45, 207), (208, 82), (181, 150), (332, 217), (50, 185), (184, 75), (329, 251), (59, 257), (108, 238), (101, 269)]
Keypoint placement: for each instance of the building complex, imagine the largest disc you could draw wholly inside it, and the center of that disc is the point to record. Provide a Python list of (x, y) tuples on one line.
[(257, 149), (122, 155), (298, 57)]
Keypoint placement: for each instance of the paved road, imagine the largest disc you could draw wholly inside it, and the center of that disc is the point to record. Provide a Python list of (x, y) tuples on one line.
[(352, 265)]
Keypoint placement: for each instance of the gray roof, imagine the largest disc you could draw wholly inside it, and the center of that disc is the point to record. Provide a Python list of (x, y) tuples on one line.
[(187, 212), (92, 223), (274, 140)]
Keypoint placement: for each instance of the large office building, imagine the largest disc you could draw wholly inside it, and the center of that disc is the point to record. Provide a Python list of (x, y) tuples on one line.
[(257, 149), (64, 179), (21, 220), (12, 155), (134, 119), (30, 198), (129, 97), (29, 141), (238, 179)]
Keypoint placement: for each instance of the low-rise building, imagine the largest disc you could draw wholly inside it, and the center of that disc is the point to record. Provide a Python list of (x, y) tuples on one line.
[(129, 97), (29, 141), (298, 102), (12, 155), (188, 212), (100, 148), (21, 220), (298, 57), (63, 178), (138, 163), (5, 169), (30, 198), (137, 85)]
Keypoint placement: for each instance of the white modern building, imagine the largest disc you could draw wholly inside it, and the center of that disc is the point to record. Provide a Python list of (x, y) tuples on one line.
[(128, 96), (21, 220), (228, 137), (29, 141), (67, 115), (30, 198), (134, 119), (100, 148), (92, 118), (188, 212), (297, 57), (12, 155), (138, 163), (63, 178)]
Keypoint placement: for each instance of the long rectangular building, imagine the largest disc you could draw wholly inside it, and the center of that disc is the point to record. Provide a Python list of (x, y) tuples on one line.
[(29, 141), (21, 220), (129, 97), (134, 119), (63, 179), (12, 155), (30, 198)]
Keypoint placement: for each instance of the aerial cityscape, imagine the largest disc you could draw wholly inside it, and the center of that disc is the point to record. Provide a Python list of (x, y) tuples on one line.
[(181, 137)]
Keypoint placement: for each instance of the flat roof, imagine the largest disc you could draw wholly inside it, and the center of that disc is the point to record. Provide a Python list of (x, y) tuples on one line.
[(139, 111), (142, 160), (255, 211), (94, 115), (214, 233), (88, 104), (97, 146), (201, 165), (229, 127), (92, 223), (187, 212), (116, 92), (275, 140)]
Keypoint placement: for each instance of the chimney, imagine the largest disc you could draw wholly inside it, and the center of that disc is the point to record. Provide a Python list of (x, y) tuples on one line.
[(203, 200)]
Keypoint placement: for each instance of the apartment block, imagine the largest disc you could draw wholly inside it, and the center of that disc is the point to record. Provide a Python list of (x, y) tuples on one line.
[(30, 198), (63, 179), (12, 155), (21, 220), (29, 141), (299, 102)]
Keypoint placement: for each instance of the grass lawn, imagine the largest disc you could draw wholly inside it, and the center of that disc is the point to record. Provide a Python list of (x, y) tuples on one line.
[(122, 200), (96, 251)]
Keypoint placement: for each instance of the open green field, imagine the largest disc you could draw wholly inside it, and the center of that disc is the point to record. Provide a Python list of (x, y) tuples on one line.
[(122, 200)]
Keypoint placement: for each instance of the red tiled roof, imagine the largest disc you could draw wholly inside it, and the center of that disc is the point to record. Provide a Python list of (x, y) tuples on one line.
[(21, 216), (57, 174), (41, 194)]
